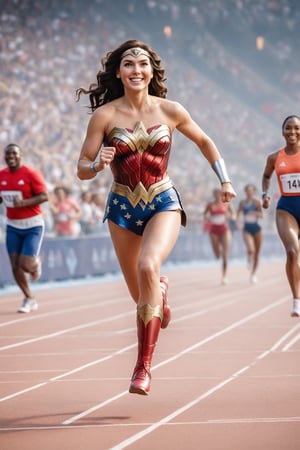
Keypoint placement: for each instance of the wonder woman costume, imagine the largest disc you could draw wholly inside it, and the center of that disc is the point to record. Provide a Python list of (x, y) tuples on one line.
[(141, 186)]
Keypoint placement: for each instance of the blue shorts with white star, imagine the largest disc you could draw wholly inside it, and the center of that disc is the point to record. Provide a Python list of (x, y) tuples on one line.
[(121, 212)]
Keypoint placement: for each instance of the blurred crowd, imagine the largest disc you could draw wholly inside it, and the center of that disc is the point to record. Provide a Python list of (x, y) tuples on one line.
[(239, 94)]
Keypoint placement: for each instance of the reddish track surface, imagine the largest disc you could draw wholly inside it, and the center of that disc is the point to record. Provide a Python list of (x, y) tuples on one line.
[(226, 372)]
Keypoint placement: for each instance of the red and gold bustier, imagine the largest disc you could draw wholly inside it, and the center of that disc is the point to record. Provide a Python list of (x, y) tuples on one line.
[(140, 164)]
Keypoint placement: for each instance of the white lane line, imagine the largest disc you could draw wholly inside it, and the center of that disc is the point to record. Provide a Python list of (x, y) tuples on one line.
[(59, 377), (145, 424), (24, 391), (255, 420), (225, 330), (218, 305), (134, 438), (279, 342), (156, 424), (188, 350), (59, 311), (285, 336), (67, 330), (215, 307), (291, 343), (94, 408)]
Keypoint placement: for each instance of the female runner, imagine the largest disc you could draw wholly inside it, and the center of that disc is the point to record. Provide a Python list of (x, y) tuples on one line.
[(217, 214), (251, 208), (286, 164), (131, 130)]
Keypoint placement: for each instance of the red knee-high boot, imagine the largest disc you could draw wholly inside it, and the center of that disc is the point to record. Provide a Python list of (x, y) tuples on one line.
[(148, 327)]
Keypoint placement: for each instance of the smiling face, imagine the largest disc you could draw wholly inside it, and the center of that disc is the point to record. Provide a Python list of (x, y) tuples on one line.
[(291, 131), (135, 70), (13, 157)]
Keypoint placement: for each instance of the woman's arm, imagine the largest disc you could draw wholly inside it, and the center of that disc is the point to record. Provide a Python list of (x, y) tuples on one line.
[(187, 126), (87, 167), (231, 212), (266, 178)]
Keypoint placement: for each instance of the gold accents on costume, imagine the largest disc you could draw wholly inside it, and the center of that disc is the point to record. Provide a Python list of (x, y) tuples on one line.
[(147, 312), (135, 52), (140, 193), (139, 139)]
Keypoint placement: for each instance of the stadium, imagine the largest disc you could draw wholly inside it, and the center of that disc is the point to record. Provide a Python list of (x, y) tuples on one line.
[(234, 66)]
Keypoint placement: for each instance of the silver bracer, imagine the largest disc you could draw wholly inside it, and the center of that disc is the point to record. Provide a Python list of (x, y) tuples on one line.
[(220, 169)]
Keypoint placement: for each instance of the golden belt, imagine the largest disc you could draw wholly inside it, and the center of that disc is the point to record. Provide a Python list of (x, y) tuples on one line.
[(140, 192)]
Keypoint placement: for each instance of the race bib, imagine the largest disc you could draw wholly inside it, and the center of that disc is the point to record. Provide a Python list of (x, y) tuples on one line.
[(8, 197), (290, 183)]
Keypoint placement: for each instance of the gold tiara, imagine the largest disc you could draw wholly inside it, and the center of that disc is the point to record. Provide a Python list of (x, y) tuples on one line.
[(135, 52)]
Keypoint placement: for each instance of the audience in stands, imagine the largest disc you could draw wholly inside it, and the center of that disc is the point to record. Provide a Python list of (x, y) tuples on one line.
[(47, 51)]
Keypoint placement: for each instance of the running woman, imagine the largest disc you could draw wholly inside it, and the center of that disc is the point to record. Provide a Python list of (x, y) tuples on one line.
[(217, 213), (286, 164), (251, 209), (131, 130)]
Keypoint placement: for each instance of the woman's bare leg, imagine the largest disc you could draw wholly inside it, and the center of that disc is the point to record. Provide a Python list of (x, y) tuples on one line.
[(141, 257), (288, 231), (257, 238), (225, 242)]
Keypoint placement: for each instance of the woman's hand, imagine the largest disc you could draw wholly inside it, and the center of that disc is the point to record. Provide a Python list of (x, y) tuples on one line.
[(106, 156), (228, 193), (87, 169)]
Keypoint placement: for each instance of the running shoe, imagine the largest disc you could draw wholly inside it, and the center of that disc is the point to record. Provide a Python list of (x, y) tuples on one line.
[(29, 304), (296, 308), (38, 272), (253, 279)]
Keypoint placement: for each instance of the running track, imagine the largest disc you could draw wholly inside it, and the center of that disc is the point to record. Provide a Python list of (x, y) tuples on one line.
[(226, 372)]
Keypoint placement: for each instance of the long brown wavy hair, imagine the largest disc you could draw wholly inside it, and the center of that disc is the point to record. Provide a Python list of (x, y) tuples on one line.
[(109, 87)]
